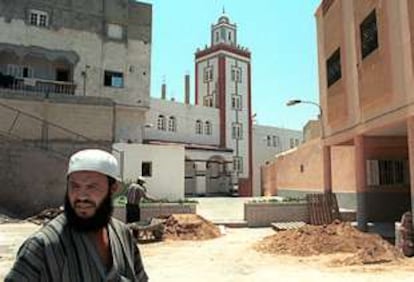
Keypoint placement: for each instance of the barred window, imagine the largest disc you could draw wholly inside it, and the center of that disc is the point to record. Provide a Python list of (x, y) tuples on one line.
[(275, 141), (38, 18), (208, 74), (369, 34), (333, 67), (208, 101), (208, 128), (236, 74), (387, 172), (161, 122), (237, 131), (236, 102), (199, 127), (172, 124), (238, 164)]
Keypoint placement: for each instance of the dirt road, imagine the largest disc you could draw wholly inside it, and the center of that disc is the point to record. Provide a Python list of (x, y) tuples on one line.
[(232, 258), (228, 258)]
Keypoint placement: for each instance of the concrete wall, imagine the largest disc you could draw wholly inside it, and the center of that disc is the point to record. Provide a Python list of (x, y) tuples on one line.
[(167, 180), (299, 171), (67, 116), (78, 31), (24, 190), (262, 151)]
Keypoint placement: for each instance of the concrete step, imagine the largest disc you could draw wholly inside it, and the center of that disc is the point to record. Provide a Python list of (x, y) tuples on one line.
[(237, 223)]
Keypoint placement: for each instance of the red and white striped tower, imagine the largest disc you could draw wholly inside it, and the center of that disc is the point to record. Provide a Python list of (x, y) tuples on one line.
[(223, 81)]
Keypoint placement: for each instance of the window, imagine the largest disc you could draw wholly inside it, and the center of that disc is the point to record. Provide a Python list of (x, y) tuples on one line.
[(208, 101), (199, 127), (114, 31), (275, 141), (292, 143), (369, 34), (208, 128), (62, 75), (269, 140), (238, 164), (237, 131), (161, 122), (146, 169), (19, 71), (236, 74), (38, 18), (236, 102), (208, 74), (114, 79), (296, 142), (387, 172), (333, 67), (172, 125)]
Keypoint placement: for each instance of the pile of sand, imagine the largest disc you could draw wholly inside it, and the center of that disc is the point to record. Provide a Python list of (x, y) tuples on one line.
[(189, 227), (338, 237)]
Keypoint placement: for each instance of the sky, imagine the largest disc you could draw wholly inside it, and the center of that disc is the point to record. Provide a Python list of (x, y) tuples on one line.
[(280, 34)]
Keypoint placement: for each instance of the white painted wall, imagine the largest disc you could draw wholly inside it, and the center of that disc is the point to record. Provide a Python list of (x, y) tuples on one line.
[(167, 179), (262, 152), (186, 116), (242, 116), (210, 87)]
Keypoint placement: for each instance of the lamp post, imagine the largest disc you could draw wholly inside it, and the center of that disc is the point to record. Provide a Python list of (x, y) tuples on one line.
[(294, 102)]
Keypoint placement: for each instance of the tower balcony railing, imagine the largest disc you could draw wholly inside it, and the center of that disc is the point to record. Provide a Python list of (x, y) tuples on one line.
[(35, 85)]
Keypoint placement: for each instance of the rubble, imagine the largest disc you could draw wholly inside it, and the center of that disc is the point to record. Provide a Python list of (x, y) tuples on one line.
[(189, 227), (338, 237), (45, 216)]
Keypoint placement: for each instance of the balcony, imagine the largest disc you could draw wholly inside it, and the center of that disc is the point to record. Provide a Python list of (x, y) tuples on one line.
[(34, 85)]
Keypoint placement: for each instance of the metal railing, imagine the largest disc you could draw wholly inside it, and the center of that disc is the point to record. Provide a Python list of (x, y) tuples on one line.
[(40, 86)]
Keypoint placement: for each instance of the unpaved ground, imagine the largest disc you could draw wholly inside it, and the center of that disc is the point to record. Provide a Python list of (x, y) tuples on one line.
[(228, 258)]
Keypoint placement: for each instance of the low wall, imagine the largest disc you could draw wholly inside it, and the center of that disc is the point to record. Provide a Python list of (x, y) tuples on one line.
[(150, 210), (263, 214)]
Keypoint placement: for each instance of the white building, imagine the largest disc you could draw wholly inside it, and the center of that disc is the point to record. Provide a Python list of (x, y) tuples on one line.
[(223, 150)]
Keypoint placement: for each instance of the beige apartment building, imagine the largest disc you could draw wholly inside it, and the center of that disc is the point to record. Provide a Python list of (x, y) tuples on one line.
[(366, 81)]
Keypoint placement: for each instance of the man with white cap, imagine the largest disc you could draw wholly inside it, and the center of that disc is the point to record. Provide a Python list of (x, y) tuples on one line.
[(135, 193), (85, 243)]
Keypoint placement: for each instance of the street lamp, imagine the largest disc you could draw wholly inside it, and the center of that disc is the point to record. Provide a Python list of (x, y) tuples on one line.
[(294, 102)]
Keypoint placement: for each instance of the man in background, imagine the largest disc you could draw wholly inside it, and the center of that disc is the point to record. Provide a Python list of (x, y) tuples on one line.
[(135, 193)]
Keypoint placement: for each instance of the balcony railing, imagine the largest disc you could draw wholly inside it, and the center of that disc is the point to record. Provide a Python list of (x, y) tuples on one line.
[(40, 86)]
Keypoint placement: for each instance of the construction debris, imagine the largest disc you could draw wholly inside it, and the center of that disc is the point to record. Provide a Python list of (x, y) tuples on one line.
[(45, 216), (338, 237), (189, 227)]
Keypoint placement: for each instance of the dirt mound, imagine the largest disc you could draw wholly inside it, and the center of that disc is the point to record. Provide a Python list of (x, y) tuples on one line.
[(338, 237), (45, 216), (189, 227)]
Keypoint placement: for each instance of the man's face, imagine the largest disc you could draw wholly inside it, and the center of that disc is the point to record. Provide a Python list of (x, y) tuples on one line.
[(88, 205)]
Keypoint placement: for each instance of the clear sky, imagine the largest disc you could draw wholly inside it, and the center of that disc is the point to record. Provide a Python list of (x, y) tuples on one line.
[(280, 34)]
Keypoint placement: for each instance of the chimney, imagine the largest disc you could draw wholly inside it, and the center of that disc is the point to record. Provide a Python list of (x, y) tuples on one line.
[(163, 91), (187, 88)]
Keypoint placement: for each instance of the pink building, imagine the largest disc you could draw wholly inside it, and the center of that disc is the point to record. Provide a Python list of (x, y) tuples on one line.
[(366, 77)]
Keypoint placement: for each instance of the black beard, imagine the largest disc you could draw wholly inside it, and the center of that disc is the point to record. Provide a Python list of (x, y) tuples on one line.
[(99, 220)]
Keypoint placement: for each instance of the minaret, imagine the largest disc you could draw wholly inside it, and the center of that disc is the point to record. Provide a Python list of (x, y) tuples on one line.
[(223, 81)]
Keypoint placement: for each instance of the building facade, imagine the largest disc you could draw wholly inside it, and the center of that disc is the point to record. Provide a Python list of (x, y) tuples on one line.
[(97, 48), (224, 150), (366, 53), (366, 77)]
